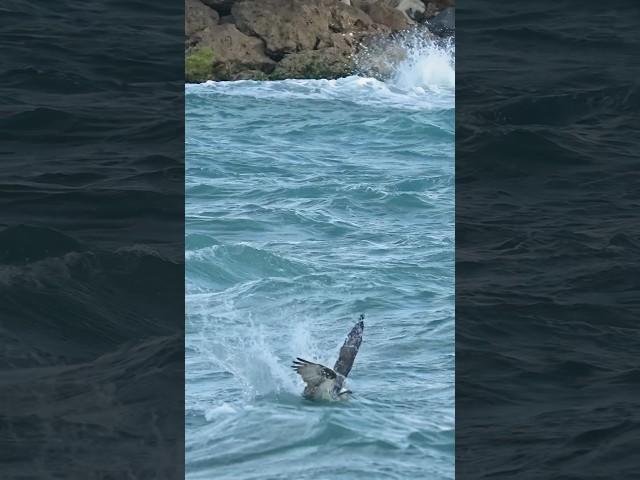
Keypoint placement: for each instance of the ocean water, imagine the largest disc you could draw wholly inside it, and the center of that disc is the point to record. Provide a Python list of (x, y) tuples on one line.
[(309, 202), (91, 240), (547, 240)]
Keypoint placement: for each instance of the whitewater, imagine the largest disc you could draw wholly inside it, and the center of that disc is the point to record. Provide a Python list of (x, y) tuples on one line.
[(309, 202)]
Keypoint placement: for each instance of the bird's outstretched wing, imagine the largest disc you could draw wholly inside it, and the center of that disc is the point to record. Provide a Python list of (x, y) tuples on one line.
[(313, 374), (350, 348)]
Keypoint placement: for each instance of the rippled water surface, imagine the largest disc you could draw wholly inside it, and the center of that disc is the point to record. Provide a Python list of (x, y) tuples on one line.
[(309, 202), (91, 240), (547, 252)]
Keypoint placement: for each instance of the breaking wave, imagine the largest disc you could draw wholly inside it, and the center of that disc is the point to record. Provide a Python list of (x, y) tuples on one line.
[(412, 71)]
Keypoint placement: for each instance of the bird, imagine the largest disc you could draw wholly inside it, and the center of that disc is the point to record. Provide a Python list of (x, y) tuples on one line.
[(324, 383)]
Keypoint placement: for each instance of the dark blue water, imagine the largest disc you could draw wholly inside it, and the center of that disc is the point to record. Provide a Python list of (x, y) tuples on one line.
[(91, 240), (547, 243), (309, 202)]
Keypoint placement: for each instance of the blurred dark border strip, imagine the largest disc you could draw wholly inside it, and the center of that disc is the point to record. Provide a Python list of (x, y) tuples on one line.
[(547, 240), (92, 239)]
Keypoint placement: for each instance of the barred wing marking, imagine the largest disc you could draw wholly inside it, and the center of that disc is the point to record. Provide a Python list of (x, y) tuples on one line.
[(313, 374), (350, 348)]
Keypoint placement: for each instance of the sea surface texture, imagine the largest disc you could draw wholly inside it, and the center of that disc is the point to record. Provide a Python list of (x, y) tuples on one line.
[(309, 202), (91, 240), (547, 240)]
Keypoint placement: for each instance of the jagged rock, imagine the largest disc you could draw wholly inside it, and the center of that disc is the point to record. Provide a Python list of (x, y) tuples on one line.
[(378, 59), (345, 18), (223, 7), (379, 56), (227, 19), (234, 51), (414, 9), (245, 38), (444, 23), (285, 26), (431, 10), (197, 17), (343, 41), (329, 62), (250, 75), (382, 13)]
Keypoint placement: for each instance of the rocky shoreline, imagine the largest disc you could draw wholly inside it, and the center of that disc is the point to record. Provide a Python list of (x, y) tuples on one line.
[(277, 39)]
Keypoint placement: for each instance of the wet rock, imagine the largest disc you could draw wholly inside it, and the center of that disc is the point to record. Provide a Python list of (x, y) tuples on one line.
[(285, 26), (431, 10), (247, 38), (198, 16), (382, 13), (344, 41), (329, 62), (378, 57), (413, 9), (227, 19), (234, 52), (345, 18), (223, 7), (250, 75), (444, 23), (442, 4)]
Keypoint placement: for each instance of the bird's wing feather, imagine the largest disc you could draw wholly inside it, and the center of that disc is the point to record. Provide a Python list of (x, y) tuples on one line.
[(350, 348), (313, 374)]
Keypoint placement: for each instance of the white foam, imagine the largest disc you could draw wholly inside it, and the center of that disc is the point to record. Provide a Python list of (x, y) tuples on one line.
[(423, 80), (219, 410), (230, 342), (426, 67)]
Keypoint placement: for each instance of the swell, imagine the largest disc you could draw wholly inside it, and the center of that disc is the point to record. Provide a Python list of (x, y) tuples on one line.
[(91, 401), (76, 297), (545, 242)]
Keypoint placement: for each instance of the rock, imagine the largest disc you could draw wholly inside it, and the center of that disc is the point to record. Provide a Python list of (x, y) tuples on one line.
[(243, 39), (378, 57), (442, 4), (343, 41), (250, 75), (443, 24), (345, 18), (223, 7), (227, 19), (410, 9), (413, 9), (234, 51), (329, 62), (198, 64), (430, 11), (285, 26), (380, 12), (197, 17)]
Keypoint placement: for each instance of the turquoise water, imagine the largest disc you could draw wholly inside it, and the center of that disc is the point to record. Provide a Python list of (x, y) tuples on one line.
[(308, 203)]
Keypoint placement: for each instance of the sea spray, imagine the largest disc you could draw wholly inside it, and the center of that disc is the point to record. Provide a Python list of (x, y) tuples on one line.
[(427, 65), (409, 71), (256, 362), (410, 60)]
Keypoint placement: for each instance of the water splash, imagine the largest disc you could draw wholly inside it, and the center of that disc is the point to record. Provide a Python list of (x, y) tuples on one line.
[(409, 61), (427, 65), (413, 70), (255, 362)]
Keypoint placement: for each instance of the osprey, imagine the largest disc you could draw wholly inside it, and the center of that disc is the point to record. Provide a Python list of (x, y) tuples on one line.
[(324, 383)]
